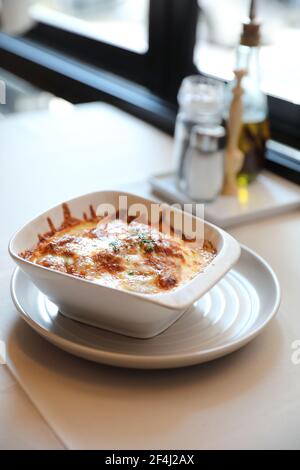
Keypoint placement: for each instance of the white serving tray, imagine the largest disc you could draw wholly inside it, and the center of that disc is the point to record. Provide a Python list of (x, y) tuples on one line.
[(267, 196)]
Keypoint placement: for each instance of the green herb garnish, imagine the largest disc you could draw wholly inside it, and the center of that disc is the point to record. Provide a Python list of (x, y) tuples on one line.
[(145, 242), (115, 245), (149, 247)]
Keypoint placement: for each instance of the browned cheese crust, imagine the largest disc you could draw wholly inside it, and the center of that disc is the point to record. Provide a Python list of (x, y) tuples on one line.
[(125, 254)]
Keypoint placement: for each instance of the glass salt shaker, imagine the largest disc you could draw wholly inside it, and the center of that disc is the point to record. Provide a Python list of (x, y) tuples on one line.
[(200, 103), (203, 171)]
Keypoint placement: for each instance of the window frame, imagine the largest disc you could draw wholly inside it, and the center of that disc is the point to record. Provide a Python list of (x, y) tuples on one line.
[(168, 20)]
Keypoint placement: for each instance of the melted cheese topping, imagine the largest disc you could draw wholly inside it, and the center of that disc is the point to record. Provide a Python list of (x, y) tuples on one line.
[(130, 256)]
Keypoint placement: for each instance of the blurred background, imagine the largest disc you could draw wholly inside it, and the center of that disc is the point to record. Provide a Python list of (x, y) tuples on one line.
[(135, 53)]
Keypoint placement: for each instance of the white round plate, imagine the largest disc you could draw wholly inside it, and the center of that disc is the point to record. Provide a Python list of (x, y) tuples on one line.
[(226, 318)]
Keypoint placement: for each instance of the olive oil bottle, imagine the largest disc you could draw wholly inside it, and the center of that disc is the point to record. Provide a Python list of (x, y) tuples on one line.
[(255, 129)]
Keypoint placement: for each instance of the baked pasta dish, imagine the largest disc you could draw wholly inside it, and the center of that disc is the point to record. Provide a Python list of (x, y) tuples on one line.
[(124, 254)]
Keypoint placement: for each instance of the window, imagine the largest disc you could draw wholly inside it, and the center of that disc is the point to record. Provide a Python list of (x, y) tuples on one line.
[(109, 34), (123, 23), (218, 32), (135, 53)]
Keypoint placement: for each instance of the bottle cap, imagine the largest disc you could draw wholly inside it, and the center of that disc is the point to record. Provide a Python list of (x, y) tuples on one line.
[(251, 28), (251, 34)]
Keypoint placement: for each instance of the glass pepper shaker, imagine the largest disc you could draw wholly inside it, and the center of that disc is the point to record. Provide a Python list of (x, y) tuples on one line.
[(200, 103), (203, 171)]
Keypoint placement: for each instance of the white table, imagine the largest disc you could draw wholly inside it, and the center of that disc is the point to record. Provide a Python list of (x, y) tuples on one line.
[(250, 399)]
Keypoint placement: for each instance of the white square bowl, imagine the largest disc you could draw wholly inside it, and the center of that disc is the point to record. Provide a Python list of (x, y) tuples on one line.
[(129, 313)]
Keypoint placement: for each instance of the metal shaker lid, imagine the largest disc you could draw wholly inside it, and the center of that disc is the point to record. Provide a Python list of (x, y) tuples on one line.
[(207, 139)]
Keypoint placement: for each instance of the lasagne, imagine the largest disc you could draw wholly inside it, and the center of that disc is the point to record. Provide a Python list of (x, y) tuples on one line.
[(124, 254)]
